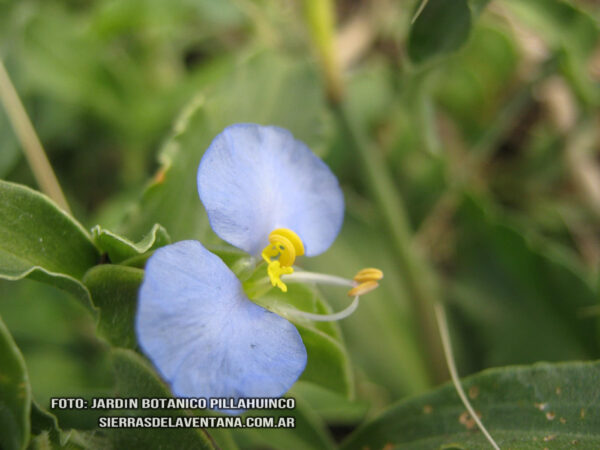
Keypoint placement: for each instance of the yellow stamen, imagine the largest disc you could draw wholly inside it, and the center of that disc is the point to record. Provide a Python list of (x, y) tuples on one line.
[(280, 254), (291, 236), (368, 274), (275, 271), (363, 288)]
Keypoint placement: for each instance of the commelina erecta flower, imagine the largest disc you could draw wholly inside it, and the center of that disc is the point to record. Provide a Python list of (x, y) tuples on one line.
[(265, 193)]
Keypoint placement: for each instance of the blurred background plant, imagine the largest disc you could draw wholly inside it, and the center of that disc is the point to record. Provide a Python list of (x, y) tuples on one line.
[(465, 142)]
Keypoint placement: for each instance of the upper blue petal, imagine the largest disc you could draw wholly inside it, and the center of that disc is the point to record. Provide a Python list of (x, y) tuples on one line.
[(205, 337), (254, 179)]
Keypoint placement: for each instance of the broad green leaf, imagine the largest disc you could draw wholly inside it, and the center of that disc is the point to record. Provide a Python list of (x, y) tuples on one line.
[(85, 440), (44, 428), (120, 248), (114, 290), (63, 354), (330, 406), (309, 432), (15, 394), (265, 88), (46, 434), (516, 300), (328, 363), (136, 378), (40, 241), (539, 406), (442, 27)]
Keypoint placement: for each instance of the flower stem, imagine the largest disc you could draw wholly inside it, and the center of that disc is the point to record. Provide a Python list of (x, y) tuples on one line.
[(442, 322), (32, 147), (320, 18)]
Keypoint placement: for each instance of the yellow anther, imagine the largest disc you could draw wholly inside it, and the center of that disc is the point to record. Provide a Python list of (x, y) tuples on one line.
[(363, 288), (280, 254), (275, 271), (282, 246), (368, 274), (292, 237)]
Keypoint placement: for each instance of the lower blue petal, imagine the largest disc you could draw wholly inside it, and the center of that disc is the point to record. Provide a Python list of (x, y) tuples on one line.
[(205, 337)]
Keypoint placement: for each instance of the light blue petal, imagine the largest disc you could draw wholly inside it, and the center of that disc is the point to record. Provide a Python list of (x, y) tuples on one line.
[(254, 179), (205, 337)]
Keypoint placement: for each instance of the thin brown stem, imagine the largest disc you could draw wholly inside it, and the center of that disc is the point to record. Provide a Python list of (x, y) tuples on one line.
[(32, 147)]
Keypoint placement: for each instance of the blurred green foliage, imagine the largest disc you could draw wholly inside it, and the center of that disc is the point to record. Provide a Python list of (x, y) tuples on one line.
[(484, 116)]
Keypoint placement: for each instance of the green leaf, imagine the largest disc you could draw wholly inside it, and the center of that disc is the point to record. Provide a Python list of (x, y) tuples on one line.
[(120, 248), (328, 364), (442, 27), (63, 354), (44, 427), (39, 241), (46, 433), (114, 290), (15, 394), (332, 407), (136, 378), (544, 405), (309, 432), (516, 300)]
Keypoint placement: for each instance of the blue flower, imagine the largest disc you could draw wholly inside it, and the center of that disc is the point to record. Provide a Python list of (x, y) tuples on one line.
[(267, 194)]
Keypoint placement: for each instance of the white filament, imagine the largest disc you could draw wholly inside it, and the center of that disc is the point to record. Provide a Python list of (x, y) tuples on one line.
[(320, 278), (325, 317)]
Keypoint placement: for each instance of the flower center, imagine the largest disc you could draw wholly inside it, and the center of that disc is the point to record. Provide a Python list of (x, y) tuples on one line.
[(280, 254)]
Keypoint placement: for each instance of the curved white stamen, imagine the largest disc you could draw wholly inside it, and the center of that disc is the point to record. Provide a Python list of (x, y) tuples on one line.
[(321, 278), (325, 317)]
